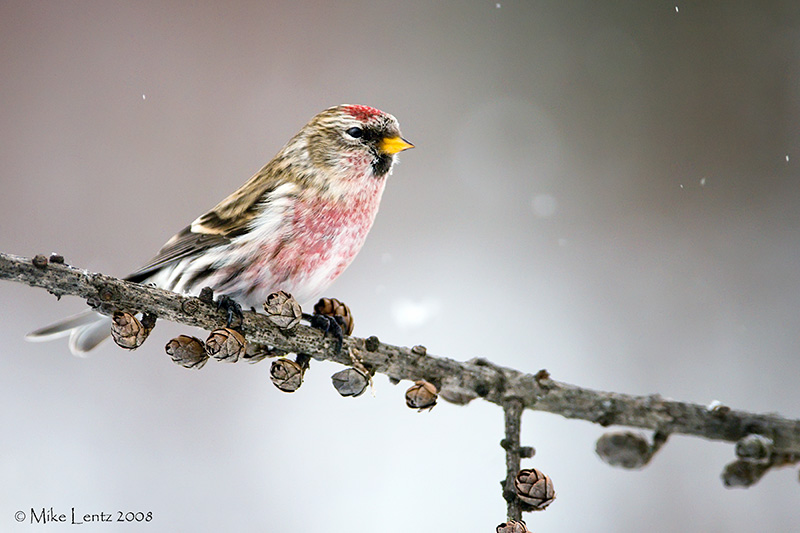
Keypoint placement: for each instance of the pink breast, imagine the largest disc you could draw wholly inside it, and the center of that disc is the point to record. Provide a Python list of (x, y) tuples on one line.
[(325, 237)]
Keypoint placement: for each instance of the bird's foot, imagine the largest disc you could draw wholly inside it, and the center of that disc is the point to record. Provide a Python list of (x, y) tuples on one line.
[(233, 310), (332, 316), (328, 324)]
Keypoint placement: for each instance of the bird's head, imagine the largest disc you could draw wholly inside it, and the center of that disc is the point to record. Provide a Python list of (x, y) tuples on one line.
[(354, 139)]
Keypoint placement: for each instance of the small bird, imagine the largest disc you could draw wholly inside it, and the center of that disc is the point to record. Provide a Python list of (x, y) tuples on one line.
[(294, 226)]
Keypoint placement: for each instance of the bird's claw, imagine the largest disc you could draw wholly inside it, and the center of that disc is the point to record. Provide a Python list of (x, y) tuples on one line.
[(334, 317), (233, 310), (329, 324)]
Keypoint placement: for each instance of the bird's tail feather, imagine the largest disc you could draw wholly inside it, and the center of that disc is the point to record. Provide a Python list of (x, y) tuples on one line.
[(86, 330)]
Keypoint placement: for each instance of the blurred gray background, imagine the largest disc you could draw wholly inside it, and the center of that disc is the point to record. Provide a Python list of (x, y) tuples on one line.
[(610, 191)]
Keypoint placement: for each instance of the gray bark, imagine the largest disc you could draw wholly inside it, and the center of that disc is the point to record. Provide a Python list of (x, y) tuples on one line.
[(459, 382)]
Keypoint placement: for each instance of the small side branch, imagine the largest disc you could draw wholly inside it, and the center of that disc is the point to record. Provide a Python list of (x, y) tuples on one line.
[(514, 453), (458, 382)]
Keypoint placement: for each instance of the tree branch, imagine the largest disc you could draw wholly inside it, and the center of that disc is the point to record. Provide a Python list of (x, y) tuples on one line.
[(459, 382), (514, 453)]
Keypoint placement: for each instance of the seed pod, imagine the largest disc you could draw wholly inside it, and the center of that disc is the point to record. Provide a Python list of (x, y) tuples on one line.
[(624, 449), (421, 395), (335, 308), (743, 473), (372, 343), (512, 526), (286, 374), (56, 258), (127, 331), (534, 488), (206, 295), (39, 261), (225, 344), (283, 310), (186, 351), (755, 448), (350, 382)]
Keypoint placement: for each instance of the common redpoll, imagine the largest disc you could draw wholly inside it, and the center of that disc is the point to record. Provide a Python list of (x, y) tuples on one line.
[(294, 226)]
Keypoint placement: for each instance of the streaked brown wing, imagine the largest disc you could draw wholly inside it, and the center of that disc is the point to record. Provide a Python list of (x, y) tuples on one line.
[(181, 245), (228, 219)]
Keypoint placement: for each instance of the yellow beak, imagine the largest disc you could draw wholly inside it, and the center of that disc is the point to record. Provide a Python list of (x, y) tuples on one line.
[(393, 145)]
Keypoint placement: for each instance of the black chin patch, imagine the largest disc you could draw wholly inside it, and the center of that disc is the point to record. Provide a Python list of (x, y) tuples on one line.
[(381, 165)]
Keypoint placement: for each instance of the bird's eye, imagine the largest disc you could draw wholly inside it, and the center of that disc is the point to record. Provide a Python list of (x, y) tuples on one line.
[(355, 132)]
